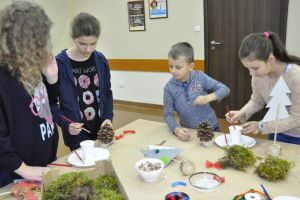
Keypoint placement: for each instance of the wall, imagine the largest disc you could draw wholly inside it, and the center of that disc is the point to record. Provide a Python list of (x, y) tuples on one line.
[(116, 42), (293, 28), (60, 16)]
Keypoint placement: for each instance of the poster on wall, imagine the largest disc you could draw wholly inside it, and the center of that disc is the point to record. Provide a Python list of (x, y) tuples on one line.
[(136, 16), (158, 9)]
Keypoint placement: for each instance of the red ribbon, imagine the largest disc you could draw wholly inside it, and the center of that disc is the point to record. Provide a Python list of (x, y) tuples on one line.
[(125, 132), (216, 165)]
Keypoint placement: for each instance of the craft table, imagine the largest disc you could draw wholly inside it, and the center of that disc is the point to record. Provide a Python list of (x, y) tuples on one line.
[(126, 152)]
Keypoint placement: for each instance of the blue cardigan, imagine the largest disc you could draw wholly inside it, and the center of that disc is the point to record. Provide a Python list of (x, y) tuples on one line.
[(68, 98)]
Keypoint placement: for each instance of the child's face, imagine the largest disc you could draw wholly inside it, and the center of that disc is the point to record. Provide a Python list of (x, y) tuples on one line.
[(86, 45), (180, 68), (257, 67)]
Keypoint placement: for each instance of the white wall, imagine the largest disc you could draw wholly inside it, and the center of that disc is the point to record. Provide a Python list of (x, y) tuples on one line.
[(293, 28), (139, 86), (116, 42)]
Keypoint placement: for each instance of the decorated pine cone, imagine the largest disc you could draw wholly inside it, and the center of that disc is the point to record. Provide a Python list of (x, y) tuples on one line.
[(205, 132), (105, 134)]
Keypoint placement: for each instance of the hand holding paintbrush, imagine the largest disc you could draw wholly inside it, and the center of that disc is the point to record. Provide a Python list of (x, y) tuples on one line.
[(235, 116), (74, 127)]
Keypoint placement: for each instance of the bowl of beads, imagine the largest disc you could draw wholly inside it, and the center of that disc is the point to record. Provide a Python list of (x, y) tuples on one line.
[(205, 181), (149, 169)]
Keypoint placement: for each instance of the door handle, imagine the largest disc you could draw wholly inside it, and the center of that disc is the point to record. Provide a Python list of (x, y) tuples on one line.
[(215, 43)]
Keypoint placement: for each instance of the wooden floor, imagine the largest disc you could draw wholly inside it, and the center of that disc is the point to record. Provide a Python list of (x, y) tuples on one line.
[(126, 112)]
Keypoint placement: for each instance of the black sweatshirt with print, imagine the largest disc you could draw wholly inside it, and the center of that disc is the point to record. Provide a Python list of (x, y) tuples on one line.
[(27, 132)]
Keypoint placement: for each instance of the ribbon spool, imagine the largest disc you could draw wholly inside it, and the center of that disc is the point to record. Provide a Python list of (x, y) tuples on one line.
[(252, 196), (187, 167)]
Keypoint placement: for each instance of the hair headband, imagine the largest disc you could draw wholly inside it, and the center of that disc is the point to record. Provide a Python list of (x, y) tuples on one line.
[(266, 35)]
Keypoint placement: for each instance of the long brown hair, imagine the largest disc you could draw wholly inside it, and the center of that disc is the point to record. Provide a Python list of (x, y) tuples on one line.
[(261, 45), (24, 42)]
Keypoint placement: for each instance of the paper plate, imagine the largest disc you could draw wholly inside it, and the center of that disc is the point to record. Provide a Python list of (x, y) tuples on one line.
[(246, 141), (286, 198), (166, 155), (159, 147), (99, 154)]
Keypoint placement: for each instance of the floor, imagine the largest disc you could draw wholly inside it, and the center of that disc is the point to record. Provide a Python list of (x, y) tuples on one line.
[(126, 112)]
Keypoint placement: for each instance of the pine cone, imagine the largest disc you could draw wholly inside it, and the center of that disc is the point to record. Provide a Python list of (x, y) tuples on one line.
[(204, 132), (106, 134)]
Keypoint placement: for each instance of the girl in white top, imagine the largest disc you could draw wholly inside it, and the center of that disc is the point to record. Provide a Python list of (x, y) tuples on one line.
[(264, 55)]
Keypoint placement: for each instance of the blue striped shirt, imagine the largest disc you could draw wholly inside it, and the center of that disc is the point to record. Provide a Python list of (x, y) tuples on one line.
[(179, 97)]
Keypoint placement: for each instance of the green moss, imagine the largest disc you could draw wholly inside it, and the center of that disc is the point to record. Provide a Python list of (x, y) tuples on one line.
[(107, 194), (238, 157), (274, 169), (107, 188), (78, 186), (73, 185), (106, 182)]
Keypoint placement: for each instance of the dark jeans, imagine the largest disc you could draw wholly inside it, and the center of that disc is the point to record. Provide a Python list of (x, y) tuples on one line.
[(217, 129), (281, 137), (5, 179)]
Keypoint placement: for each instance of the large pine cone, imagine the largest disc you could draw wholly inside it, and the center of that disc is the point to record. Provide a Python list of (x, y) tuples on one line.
[(106, 134), (204, 132)]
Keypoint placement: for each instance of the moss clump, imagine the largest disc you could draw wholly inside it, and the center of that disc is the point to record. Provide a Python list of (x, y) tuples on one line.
[(78, 186), (273, 169), (107, 188), (238, 157), (106, 182), (73, 185), (107, 194)]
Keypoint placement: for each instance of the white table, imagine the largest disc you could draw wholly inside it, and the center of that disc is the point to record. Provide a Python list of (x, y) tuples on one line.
[(126, 152)]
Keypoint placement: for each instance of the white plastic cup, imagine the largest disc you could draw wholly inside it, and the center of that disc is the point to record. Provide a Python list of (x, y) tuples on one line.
[(235, 134), (87, 147)]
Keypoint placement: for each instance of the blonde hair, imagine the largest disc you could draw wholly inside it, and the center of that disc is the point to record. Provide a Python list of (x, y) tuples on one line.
[(24, 42)]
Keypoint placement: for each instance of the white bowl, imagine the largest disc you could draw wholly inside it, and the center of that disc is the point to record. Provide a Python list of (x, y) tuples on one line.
[(149, 168)]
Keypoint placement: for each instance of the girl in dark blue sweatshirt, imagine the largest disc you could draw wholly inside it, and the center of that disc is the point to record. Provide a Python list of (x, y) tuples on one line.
[(85, 95)]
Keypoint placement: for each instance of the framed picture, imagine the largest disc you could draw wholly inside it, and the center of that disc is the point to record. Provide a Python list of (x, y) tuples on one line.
[(158, 9), (136, 16)]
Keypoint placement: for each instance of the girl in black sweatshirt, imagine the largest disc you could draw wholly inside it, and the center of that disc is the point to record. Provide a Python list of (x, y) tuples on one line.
[(28, 136)]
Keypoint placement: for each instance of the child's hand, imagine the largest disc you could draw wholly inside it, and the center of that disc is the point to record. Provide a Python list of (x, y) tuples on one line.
[(107, 121), (201, 100), (182, 134), (235, 115), (51, 71), (75, 128), (33, 173), (251, 127)]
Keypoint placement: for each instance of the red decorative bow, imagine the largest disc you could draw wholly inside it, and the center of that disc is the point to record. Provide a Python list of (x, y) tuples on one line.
[(216, 165)]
